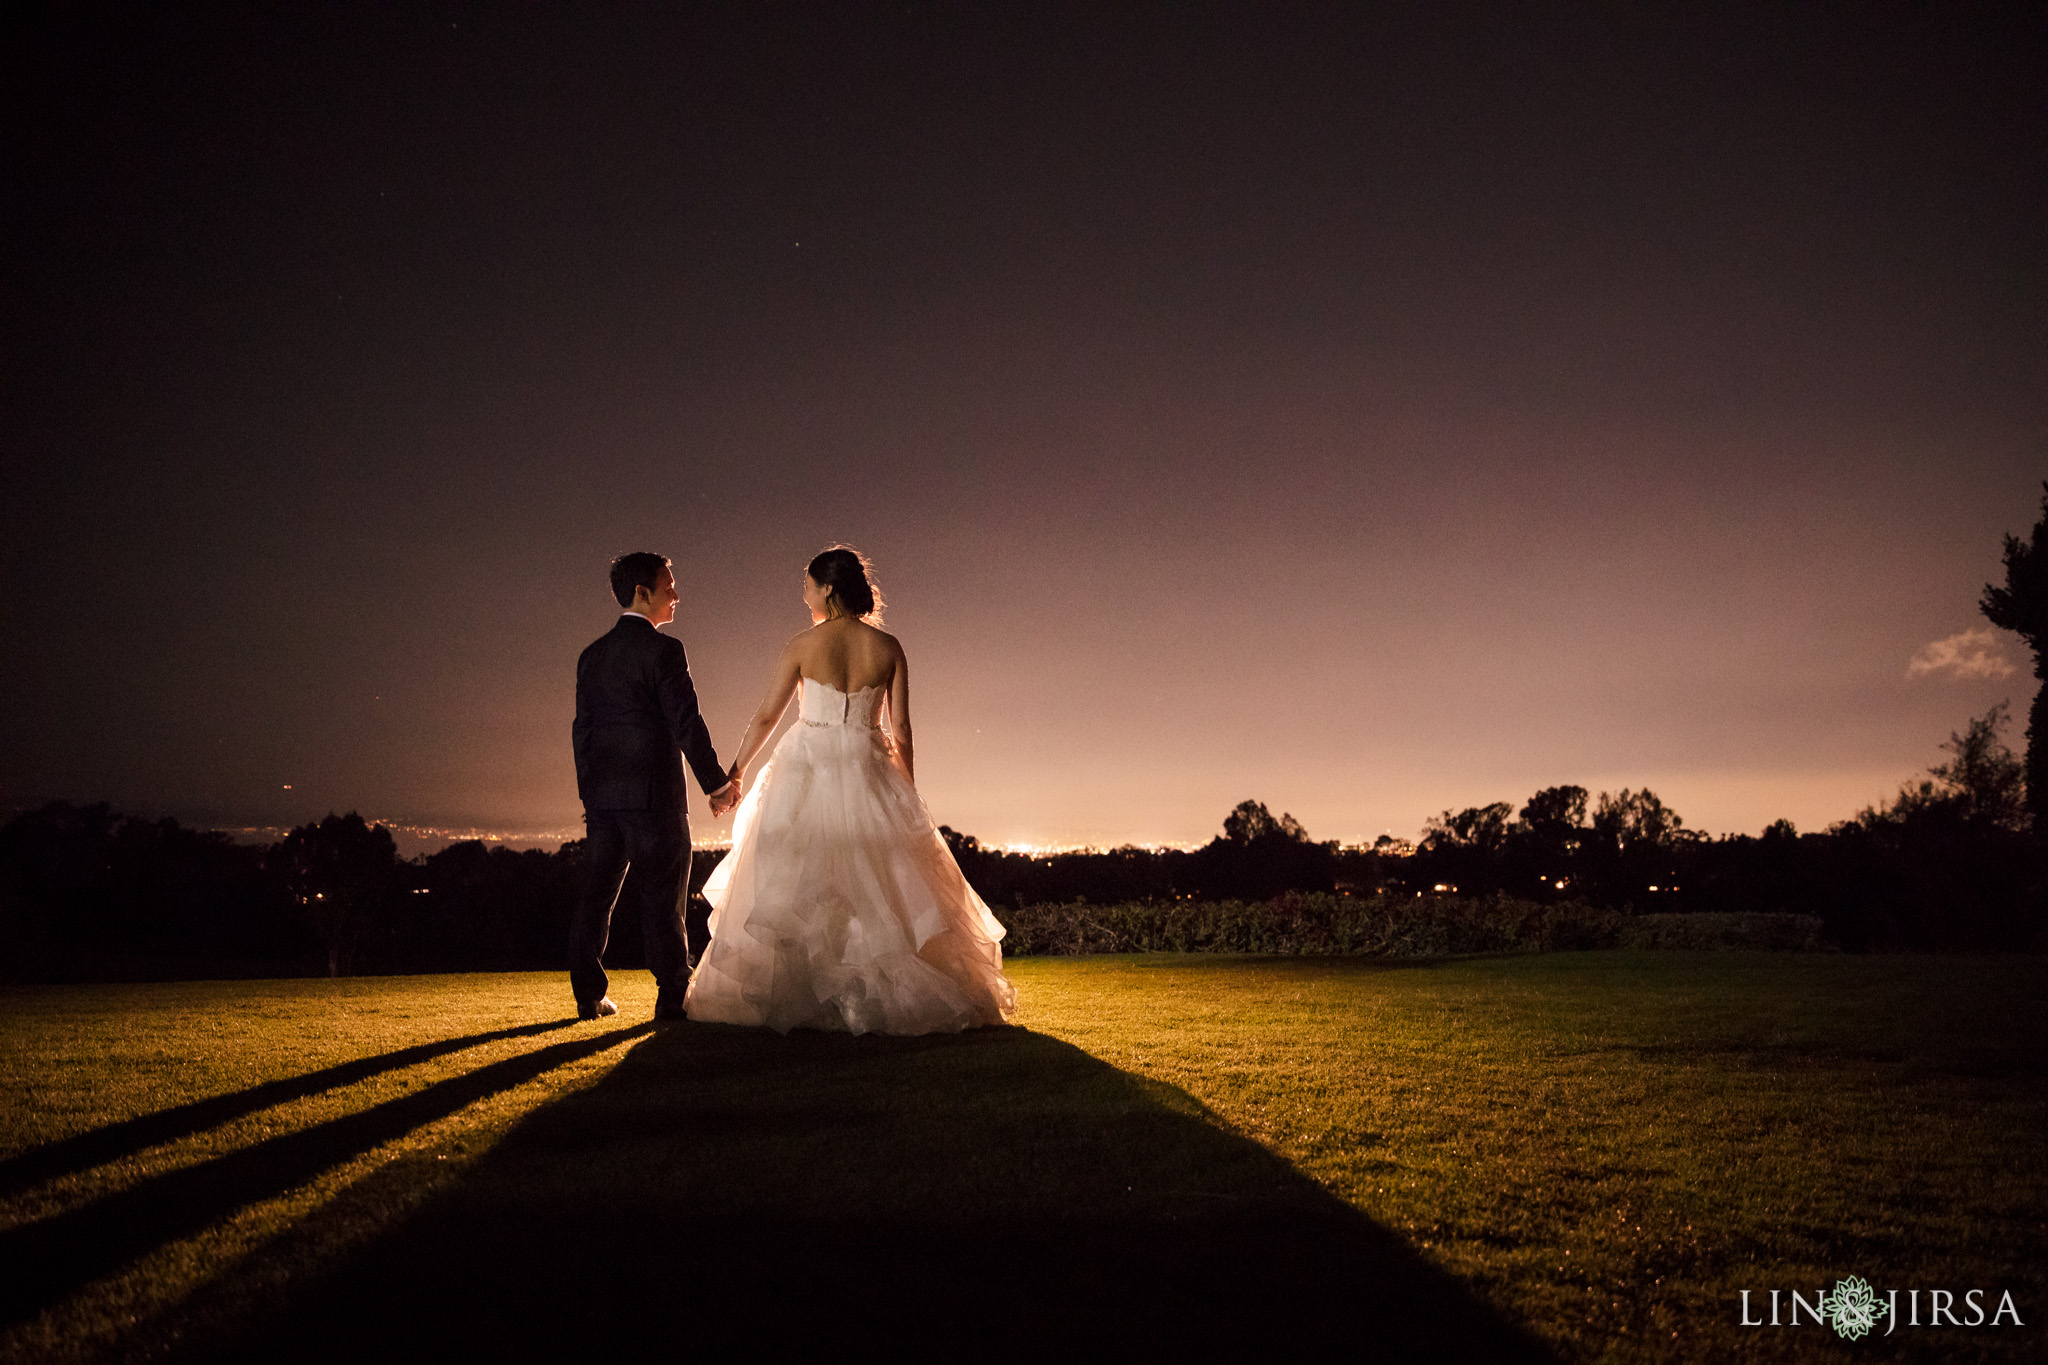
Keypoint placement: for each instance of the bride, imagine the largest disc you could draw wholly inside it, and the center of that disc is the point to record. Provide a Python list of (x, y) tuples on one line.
[(840, 906)]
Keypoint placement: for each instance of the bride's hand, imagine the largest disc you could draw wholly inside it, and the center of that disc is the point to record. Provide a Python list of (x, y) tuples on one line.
[(728, 796)]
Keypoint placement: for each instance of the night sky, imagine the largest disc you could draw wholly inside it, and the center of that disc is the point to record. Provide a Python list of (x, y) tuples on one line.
[(1369, 410)]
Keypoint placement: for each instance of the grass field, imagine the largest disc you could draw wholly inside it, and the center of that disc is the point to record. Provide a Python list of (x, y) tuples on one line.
[(1580, 1155)]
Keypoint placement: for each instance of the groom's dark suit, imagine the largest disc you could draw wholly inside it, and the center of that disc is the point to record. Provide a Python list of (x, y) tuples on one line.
[(636, 718)]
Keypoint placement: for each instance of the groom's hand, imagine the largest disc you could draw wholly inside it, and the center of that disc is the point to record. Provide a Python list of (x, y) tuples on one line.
[(725, 798)]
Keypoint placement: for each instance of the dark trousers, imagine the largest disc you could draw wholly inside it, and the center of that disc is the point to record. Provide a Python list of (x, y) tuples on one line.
[(654, 847)]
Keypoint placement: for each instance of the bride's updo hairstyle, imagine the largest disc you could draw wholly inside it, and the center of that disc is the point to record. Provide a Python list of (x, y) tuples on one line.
[(847, 572)]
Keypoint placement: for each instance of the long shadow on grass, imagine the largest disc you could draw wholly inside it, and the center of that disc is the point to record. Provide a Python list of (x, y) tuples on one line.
[(116, 1140), (41, 1263), (993, 1193)]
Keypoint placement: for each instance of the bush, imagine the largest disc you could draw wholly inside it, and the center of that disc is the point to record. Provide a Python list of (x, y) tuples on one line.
[(1321, 925), (1783, 933), (1314, 924)]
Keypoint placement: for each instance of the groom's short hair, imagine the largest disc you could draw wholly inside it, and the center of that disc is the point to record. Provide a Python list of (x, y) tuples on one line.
[(641, 569)]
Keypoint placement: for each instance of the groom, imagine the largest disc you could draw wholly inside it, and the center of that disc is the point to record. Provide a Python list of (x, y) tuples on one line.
[(636, 717)]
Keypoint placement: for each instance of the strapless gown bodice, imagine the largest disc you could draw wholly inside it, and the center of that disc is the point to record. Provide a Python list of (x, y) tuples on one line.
[(840, 906), (823, 704)]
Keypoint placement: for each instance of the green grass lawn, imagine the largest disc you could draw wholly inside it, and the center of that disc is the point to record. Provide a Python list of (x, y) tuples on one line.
[(1582, 1154)]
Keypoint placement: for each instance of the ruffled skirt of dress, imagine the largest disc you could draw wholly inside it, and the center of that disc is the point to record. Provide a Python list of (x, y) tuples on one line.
[(840, 906)]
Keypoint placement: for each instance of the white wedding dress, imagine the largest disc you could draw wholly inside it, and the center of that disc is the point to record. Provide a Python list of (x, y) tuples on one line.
[(840, 906)]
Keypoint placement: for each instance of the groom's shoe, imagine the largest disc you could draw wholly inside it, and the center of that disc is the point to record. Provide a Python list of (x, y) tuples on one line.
[(601, 1008)]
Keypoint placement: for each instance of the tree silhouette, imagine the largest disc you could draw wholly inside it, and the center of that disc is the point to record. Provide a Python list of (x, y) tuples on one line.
[(1987, 783), (1634, 820), (2021, 606), (1481, 829), (1250, 820), (1556, 813), (1259, 856), (1982, 785), (342, 873)]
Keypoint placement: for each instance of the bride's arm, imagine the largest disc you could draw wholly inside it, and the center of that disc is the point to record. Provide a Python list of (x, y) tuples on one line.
[(782, 685), (899, 716)]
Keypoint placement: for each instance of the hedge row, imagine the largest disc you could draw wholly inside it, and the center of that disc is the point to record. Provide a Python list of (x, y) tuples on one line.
[(1322, 925)]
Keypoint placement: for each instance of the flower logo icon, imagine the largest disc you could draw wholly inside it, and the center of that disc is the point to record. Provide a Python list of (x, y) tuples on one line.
[(1852, 1308)]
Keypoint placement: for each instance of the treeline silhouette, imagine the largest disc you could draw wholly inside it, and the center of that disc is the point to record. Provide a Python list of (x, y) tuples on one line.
[(86, 892), (1949, 863)]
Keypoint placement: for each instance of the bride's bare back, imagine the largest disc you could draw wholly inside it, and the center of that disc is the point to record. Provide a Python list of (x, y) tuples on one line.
[(847, 654), (843, 653)]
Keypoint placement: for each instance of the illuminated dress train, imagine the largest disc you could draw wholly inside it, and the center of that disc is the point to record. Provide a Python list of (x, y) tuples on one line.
[(840, 906)]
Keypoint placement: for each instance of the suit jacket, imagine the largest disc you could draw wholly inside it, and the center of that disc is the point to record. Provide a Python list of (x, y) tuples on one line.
[(636, 719)]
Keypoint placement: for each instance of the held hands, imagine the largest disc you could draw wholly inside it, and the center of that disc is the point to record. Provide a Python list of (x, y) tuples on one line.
[(727, 796)]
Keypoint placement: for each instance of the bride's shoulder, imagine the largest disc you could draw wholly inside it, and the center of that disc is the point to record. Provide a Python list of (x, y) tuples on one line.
[(800, 647), (861, 630)]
